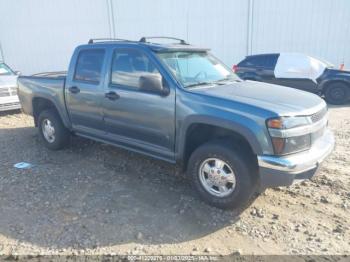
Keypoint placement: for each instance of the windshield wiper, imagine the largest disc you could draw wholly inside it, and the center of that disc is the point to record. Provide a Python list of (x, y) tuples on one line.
[(226, 79), (217, 82), (200, 84)]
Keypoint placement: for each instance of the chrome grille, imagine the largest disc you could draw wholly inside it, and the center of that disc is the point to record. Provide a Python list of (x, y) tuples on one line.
[(15, 104), (319, 115), (4, 92), (316, 118), (8, 91), (13, 91)]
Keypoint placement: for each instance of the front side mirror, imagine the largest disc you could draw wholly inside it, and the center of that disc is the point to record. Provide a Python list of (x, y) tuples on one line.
[(153, 83)]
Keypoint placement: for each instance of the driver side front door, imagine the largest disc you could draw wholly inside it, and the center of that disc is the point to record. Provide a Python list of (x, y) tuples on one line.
[(138, 119)]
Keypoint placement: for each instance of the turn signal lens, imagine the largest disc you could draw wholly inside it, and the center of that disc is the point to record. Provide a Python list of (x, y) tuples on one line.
[(288, 122), (278, 145), (275, 123)]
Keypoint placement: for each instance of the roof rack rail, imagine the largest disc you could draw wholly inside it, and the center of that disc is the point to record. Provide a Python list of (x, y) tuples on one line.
[(93, 40), (144, 39)]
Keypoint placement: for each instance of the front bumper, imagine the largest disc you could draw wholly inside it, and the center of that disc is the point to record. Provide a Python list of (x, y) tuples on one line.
[(9, 103), (282, 171)]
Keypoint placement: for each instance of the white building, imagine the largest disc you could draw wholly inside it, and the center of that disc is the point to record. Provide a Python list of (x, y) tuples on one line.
[(40, 35)]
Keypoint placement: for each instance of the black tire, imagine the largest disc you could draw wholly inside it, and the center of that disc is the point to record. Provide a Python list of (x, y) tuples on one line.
[(245, 175), (337, 93), (61, 133)]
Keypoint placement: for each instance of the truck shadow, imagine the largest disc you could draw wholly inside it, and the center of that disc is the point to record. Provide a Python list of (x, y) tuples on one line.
[(94, 195)]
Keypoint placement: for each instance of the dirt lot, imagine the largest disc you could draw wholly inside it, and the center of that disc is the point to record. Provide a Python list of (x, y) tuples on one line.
[(95, 199)]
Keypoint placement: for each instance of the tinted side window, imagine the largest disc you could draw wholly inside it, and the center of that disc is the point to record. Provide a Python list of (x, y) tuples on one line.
[(129, 65), (271, 61), (89, 65), (252, 61), (267, 61)]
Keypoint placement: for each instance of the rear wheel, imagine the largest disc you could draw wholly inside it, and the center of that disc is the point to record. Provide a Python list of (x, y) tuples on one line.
[(337, 93), (52, 131), (222, 176)]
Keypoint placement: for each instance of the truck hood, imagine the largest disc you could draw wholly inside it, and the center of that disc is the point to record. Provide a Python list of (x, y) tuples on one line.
[(8, 81), (337, 72), (283, 101)]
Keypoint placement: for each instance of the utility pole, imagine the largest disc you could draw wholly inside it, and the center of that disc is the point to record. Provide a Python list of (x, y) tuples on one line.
[(250, 27), (2, 58), (111, 20)]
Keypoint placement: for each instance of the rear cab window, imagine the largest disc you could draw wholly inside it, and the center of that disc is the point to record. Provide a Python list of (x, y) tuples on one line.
[(89, 66)]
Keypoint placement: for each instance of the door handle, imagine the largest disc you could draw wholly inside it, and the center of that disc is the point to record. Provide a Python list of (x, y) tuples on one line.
[(112, 95), (74, 89)]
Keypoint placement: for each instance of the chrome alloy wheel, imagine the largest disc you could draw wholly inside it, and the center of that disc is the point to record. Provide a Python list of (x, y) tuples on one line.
[(217, 177), (48, 130)]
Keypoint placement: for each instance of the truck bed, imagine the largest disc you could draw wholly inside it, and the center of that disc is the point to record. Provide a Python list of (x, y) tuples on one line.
[(48, 85), (56, 74)]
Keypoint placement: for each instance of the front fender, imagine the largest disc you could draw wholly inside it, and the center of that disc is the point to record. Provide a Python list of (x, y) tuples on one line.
[(250, 131)]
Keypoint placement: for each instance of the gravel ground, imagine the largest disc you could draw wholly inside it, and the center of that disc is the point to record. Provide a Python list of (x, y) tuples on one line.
[(92, 198)]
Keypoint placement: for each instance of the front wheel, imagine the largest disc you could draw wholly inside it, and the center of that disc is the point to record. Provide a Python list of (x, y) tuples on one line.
[(337, 93), (52, 131), (222, 177)]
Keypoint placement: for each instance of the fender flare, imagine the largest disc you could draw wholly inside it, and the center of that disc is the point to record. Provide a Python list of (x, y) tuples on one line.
[(62, 115), (244, 131)]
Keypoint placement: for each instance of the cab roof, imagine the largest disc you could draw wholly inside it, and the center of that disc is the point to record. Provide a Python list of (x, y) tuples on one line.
[(180, 45)]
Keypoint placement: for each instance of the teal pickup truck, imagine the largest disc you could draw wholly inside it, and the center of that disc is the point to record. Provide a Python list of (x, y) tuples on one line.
[(179, 103)]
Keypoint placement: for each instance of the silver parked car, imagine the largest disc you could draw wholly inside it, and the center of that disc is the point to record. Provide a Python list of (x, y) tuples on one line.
[(8, 88)]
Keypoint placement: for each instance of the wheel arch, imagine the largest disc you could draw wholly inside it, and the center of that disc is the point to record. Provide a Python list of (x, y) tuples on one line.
[(331, 82), (213, 128), (40, 104)]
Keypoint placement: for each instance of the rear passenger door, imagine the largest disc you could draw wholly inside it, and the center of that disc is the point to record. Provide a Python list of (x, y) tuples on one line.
[(84, 91), (134, 118)]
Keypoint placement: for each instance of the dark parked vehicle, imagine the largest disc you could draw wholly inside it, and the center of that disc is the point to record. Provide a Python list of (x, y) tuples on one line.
[(298, 71), (179, 103)]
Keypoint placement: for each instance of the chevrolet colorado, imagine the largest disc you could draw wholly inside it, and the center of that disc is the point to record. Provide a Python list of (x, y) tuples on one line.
[(179, 103)]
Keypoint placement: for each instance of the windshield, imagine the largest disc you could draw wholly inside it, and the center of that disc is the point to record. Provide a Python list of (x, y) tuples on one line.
[(325, 62), (196, 68), (5, 70)]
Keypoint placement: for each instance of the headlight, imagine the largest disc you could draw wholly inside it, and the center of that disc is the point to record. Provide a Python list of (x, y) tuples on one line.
[(284, 146), (287, 145), (288, 122)]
